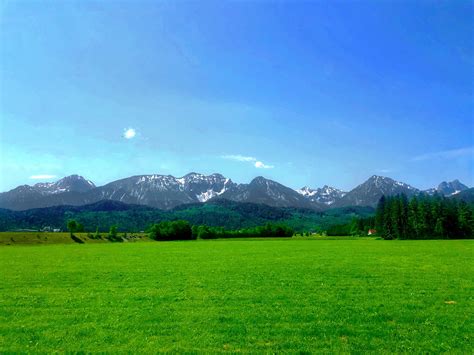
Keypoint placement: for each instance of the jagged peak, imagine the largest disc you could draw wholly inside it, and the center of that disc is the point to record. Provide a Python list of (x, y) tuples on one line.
[(192, 173), (218, 175), (379, 177)]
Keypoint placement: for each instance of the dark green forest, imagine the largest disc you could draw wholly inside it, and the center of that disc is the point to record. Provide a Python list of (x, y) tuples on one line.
[(133, 218), (421, 217), (182, 230)]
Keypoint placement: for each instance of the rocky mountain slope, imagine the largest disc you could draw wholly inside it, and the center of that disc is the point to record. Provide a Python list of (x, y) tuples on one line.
[(325, 195), (369, 192), (166, 192)]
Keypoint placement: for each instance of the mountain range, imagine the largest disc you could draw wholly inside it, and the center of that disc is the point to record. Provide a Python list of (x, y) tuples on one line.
[(167, 192)]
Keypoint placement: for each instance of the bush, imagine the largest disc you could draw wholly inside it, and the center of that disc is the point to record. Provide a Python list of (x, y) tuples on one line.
[(174, 230), (97, 234), (113, 235), (339, 230), (72, 226), (205, 232)]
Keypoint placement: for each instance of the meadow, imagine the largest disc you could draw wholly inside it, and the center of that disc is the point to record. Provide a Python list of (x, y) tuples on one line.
[(283, 295)]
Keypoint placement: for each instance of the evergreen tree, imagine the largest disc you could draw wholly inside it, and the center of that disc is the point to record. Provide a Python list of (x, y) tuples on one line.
[(437, 215), (380, 215), (388, 227), (412, 220), (465, 220), (404, 226), (424, 217)]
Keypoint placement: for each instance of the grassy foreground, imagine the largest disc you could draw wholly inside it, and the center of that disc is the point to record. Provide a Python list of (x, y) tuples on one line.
[(238, 295)]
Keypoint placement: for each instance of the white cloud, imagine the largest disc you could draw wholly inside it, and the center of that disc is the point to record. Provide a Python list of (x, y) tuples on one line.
[(446, 154), (129, 133), (44, 176), (239, 157), (242, 158), (260, 165)]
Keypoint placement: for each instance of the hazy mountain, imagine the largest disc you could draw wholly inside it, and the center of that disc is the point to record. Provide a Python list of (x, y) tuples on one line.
[(369, 192), (325, 195), (68, 190), (447, 188), (465, 195), (269, 192), (161, 191), (165, 191), (72, 183), (451, 188)]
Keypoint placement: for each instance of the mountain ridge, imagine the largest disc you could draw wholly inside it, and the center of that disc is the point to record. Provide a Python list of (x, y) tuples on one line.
[(167, 192)]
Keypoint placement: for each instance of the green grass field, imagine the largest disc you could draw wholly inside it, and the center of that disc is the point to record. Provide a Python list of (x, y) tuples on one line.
[(238, 295)]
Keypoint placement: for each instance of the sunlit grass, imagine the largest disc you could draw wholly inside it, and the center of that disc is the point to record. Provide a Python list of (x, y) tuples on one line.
[(238, 295)]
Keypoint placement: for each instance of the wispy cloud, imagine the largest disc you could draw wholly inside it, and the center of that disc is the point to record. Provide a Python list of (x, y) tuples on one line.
[(239, 157), (129, 133), (44, 176), (446, 154), (384, 171), (242, 158)]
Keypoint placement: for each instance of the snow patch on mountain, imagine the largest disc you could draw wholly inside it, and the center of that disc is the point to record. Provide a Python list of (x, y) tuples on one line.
[(326, 195), (207, 195)]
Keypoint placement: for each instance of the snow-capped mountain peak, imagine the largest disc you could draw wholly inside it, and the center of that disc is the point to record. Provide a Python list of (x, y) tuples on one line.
[(369, 192), (167, 191), (72, 183), (451, 188), (326, 195), (306, 191)]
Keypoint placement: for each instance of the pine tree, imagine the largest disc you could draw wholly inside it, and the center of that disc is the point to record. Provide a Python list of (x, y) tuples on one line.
[(380, 215), (465, 220), (388, 228), (412, 228), (423, 218), (403, 206)]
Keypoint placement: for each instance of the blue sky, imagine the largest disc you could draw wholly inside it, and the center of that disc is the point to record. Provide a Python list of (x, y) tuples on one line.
[(305, 93)]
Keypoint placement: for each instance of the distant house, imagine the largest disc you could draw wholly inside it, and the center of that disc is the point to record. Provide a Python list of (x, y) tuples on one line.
[(56, 230), (371, 232)]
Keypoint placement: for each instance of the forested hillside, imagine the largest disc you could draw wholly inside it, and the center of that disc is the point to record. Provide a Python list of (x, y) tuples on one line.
[(219, 213)]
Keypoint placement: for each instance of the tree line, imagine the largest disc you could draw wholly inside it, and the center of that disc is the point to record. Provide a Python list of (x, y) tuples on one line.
[(423, 217), (182, 230), (357, 227), (396, 217)]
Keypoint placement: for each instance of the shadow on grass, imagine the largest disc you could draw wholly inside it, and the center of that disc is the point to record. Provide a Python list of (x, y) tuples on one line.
[(76, 239)]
